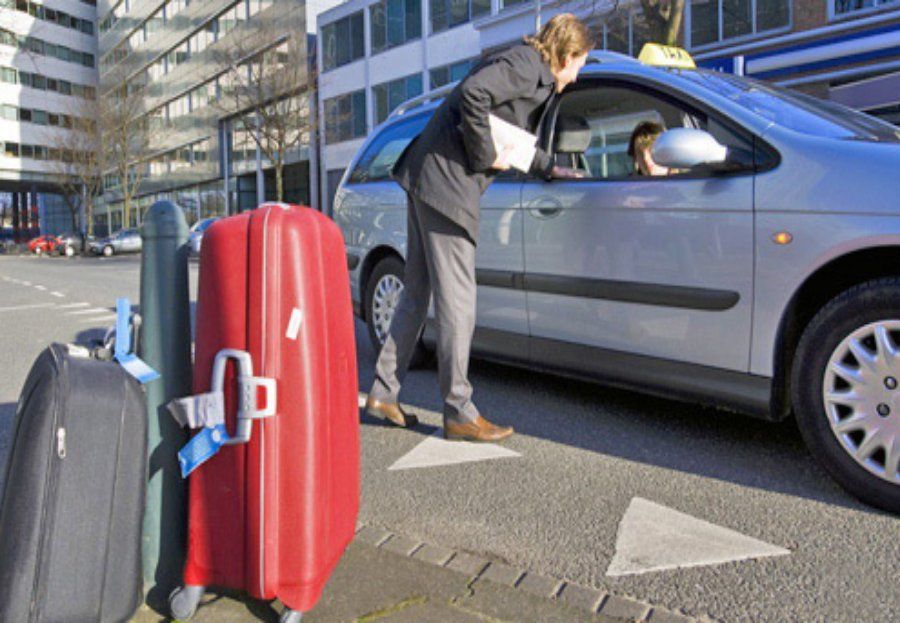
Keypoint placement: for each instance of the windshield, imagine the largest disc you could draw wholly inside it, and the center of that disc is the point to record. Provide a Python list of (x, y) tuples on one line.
[(793, 110)]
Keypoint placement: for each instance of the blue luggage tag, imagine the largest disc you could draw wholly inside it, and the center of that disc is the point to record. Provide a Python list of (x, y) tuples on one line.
[(133, 365), (202, 447)]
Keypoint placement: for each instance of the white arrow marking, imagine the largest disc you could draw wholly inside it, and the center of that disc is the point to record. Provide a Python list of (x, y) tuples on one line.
[(436, 450), (653, 537)]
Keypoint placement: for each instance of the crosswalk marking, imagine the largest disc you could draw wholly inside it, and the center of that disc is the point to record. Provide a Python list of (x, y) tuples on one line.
[(73, 305), (57, 294), (95, 310), (103, 318), (41, 288), (21, 307)]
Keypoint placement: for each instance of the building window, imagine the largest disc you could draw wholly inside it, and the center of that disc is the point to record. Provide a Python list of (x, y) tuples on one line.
[(345, 117), (445, 74), (343, 41), (389, 95), (394, 22), (737, 18), (843, 7), (449, 13)]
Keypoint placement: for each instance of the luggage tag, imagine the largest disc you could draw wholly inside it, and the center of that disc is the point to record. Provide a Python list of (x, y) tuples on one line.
[(132, 364), (207, 410)]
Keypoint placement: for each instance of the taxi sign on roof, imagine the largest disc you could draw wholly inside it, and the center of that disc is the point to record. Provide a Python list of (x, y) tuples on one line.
[(666, 56)]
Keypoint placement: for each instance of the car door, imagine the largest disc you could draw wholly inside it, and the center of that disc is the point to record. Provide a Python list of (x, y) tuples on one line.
[(373, 214), (501, 323), (634, 265)]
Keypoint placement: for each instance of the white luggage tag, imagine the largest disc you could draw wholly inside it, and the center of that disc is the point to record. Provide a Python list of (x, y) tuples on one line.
[(132, 364), (208, 410)]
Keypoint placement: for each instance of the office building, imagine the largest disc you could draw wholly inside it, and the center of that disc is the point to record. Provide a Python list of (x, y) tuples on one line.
[(178, 59), (48, 76)]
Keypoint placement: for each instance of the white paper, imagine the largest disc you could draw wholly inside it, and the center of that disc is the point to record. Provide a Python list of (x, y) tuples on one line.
[(522, 142)]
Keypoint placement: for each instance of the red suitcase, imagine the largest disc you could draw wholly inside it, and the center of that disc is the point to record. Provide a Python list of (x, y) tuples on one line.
[(272, 516)]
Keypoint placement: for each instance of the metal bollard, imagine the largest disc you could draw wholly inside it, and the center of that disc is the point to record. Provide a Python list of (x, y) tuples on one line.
[(166, 347)]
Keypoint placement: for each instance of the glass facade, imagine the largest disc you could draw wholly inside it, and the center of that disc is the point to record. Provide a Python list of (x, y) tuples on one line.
[(343, 41), (388, 95), (449, 13), (712, 21), (445, 74), (394, 22), (345, 117)]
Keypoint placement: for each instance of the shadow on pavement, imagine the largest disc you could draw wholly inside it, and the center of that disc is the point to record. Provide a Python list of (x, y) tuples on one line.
[(637, 427)]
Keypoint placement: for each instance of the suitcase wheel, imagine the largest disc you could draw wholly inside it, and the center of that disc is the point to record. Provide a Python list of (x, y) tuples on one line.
[(290, 616), (183, 602)]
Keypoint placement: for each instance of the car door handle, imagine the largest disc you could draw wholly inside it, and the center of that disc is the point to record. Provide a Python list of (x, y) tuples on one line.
[(546, 212), (545, 207)]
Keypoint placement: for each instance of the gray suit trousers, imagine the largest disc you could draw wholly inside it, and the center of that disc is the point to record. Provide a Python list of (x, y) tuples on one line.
[(440, 262)]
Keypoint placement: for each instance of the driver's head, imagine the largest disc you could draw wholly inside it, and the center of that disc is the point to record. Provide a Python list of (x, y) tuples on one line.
[(642, 139)]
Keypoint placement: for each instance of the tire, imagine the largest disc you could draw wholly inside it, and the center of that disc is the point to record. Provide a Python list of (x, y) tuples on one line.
[(390, 270), (853, 319), (108, 251)]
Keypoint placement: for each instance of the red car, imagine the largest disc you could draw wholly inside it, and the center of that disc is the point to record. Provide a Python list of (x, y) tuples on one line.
[(43, 244)]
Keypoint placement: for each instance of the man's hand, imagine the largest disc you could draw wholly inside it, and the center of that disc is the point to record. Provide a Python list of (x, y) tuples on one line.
[(501, 163), (565, 173)]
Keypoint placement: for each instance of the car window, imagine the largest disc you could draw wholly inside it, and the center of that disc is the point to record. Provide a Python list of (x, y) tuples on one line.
[(381, 154), (594, 126), (794, 110)]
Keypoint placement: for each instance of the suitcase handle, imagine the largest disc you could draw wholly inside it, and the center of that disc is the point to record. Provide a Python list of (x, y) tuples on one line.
[(247, 392)]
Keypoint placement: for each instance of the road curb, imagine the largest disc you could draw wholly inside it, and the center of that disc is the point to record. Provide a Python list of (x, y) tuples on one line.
[(480, 569)]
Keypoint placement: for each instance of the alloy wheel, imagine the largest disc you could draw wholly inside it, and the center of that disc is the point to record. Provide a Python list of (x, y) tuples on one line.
[(385, 299), (861, 395)]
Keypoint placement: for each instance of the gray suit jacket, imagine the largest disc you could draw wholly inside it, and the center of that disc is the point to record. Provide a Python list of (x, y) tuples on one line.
[(448, 166)]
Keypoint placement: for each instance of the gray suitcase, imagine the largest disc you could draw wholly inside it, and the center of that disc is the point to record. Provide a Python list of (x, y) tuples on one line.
[(73, 502)]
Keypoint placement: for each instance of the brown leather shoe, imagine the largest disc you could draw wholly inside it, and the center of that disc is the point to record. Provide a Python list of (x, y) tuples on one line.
[(390, 411), (477, 430)]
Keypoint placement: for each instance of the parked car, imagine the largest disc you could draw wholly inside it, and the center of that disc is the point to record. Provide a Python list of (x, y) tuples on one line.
[(123, 241), (763, 277), (43, 244), (195, 235), (71, 244)]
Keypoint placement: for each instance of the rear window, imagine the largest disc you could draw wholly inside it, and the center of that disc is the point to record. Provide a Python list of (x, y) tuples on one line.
[(794, 110), (376, 162)]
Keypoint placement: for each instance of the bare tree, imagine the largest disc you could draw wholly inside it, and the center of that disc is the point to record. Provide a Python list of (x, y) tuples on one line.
[(77, 161), (664, 19), (268, 91), (126, 136)]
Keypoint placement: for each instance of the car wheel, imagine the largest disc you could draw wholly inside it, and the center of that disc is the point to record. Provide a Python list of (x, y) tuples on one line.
[(107, 251), (381, 299), (845, 387)]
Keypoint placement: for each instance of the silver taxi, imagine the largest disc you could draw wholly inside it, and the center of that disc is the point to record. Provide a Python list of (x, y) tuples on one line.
[(763, 277)]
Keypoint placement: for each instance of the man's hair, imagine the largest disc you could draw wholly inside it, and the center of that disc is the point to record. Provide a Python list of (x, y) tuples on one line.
[(643, 136), (564, 34)]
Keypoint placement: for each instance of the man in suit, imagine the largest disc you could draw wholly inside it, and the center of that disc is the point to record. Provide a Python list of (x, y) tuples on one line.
[(444, 171)]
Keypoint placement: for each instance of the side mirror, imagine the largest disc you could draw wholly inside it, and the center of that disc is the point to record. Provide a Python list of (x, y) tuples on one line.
[(685, 148)]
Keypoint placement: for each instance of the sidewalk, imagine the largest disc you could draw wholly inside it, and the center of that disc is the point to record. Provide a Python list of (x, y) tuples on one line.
[(392, 579)]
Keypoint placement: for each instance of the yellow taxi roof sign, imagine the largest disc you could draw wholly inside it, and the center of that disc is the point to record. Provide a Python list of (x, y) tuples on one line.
[(666, 56)]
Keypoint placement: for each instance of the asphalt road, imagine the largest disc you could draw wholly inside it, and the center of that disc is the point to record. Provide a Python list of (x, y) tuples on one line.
[(586, 453)]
